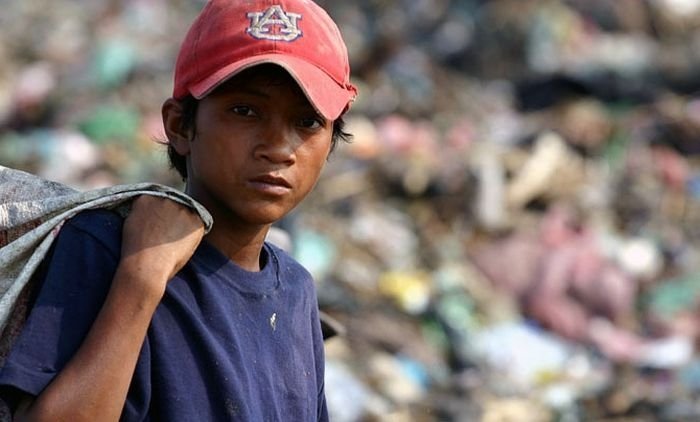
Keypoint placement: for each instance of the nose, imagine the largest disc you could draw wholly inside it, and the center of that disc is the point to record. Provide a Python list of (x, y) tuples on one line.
[(277, 144)]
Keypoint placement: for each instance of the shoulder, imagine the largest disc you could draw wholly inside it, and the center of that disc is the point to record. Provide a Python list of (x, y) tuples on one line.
[(288, 266), (97, 221), (284, 258), (101, 225)]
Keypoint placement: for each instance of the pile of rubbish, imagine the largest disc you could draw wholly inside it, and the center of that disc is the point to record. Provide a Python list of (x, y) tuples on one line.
[(513, 233)]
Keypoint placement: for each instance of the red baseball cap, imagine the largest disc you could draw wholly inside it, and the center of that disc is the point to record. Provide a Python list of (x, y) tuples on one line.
[(231, 35)]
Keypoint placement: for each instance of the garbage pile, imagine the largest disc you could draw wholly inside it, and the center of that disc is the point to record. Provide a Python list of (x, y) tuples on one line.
[(512, 234)]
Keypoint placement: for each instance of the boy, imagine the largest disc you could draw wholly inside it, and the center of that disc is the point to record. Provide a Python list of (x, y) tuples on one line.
[(139, 320)]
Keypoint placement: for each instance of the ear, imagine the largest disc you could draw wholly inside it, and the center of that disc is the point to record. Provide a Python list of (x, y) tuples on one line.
[(178, 137)]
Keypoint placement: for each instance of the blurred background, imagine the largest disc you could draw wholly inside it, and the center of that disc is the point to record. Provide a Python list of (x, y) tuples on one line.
[(513, 233)]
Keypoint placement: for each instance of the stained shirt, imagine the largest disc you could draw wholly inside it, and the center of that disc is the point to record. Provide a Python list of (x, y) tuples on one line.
[(224, 344)]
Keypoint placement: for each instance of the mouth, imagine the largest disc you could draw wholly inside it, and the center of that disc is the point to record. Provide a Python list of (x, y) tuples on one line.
[(271, 184)]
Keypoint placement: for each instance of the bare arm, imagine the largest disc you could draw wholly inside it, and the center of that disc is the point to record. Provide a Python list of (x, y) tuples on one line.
[(94, 383)]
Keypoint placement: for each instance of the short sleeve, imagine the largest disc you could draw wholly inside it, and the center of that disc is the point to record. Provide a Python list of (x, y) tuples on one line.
[(79, 272)]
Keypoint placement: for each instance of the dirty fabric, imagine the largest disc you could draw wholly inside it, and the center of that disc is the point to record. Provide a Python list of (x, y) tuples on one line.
[(32, 213)]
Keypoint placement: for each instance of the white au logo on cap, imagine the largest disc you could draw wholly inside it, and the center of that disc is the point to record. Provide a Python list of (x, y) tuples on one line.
[(262, 24)]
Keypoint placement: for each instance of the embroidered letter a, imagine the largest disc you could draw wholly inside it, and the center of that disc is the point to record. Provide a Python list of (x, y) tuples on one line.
[(274, 24)]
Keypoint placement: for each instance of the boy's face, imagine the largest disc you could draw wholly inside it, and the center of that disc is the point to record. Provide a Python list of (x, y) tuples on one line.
[(258, 149)]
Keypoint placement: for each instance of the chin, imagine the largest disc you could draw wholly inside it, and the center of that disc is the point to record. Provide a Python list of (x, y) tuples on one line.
[(265, 217)]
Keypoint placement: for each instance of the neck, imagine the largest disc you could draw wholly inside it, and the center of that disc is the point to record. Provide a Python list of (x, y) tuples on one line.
[(240, 242), (240, 247)]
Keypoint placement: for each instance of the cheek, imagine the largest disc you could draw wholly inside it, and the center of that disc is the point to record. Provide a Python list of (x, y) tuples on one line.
[(207, 159), (215, 146), (314, 161), (316, 155)]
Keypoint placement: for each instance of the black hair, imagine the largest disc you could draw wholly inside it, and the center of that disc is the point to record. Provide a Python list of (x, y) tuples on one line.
[(188, 125)]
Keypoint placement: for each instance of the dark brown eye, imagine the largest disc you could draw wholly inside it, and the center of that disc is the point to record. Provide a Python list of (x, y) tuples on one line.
[(243, 110), (311, 123)]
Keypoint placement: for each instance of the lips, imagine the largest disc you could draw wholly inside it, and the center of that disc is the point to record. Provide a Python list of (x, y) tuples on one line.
[(272, 180), (271, 184)]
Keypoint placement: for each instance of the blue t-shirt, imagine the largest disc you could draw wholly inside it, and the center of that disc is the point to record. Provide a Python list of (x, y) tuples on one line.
[(224, 344)]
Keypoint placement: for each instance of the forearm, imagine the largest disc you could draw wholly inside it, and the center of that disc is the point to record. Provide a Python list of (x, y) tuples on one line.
[(94, 383)]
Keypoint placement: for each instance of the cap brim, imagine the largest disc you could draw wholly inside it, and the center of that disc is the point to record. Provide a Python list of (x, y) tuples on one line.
[(327, 96)]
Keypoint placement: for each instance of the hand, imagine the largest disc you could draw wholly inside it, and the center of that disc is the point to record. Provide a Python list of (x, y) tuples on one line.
[(159, 237)]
